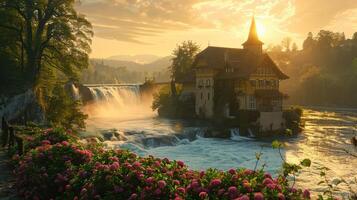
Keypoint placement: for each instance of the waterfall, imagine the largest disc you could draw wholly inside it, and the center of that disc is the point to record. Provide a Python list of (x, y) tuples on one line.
[(118, 101), (122, 95)]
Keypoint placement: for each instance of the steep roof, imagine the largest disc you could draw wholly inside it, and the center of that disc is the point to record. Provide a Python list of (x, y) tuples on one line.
[(253, 38), (244, 62)]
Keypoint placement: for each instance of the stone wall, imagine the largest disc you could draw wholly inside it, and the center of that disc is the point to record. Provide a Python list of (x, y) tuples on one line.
[(271, 121)]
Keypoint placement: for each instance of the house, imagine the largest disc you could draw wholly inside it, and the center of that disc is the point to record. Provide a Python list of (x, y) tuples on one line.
[(230, 80)]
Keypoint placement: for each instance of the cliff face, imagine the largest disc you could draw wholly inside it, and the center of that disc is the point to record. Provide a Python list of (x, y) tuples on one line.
[(22, 107)]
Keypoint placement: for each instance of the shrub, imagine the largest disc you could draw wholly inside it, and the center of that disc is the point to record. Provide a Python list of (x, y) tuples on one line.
[(172, 106), (292, 117), (68, 171), (45, 171)]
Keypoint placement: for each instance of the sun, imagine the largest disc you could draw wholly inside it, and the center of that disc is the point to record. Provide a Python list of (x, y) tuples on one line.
[(261, 29)]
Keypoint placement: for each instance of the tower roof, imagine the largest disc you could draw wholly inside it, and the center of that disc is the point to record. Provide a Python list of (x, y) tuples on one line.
[(253, 35)]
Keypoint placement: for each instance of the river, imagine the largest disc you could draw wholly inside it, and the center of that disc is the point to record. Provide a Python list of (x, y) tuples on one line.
[(325, 140)]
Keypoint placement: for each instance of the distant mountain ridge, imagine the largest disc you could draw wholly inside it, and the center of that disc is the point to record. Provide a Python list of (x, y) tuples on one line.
[(141, 58), (158, 65)]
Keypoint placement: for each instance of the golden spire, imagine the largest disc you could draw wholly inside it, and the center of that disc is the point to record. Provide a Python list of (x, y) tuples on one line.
[(253, 35)]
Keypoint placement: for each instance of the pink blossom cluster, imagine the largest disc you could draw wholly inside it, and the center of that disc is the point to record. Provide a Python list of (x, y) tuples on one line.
[(65, 170)]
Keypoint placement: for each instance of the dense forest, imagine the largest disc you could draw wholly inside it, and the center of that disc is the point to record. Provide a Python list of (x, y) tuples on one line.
[(323, 72), (112, 71)]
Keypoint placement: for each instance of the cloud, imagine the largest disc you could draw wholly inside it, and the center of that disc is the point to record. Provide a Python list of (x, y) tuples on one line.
[(135, 20), (312, 15)]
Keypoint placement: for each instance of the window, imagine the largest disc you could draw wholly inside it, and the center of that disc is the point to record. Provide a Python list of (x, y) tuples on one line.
[(208, 83), (261, 83), (200, 83), (251, 102), (201, 95), (208, 96)]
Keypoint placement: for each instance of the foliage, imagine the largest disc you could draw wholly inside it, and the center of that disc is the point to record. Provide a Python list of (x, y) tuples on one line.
[(292, 118), (69, 171), (64, 111), (177, 106), (42, 42), (323, 72), (183, 57), (52, 135)]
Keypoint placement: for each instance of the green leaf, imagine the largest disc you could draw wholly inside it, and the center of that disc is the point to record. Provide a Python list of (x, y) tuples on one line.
[(276, 144), (258, 155), (320, 197), (306, 162)]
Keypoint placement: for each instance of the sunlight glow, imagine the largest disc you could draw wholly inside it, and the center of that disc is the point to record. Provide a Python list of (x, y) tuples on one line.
[(261, 29)]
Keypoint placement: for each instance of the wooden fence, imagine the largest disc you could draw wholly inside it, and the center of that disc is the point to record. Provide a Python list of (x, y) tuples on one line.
[(10, 139)]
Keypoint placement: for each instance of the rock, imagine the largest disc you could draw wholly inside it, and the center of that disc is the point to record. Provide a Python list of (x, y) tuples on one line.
[(336, 181), (217, 134), (113, 135)]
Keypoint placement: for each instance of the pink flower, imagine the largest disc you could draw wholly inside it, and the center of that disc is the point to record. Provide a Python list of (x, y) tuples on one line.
[(203, 195), (215, 182), (149, 180), (248, 172), (281, 196), (45, 142), (258, 196), (195, 184), (133, 196), (161, 184), (176, 182), (271, 186), (65, 143), (246, 185), (114, 166), (181, 190), (267, 181), (306, 194), (232, 190), (232, 171), (221, 192), (267, 175), (136, 164), (180, 163), (244, 197), (157, 191)]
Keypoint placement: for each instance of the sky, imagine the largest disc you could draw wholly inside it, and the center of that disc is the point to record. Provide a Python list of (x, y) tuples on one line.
[(131, 27)]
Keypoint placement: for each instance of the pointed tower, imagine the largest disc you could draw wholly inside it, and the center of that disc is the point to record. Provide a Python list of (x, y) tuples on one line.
[(253, 44)]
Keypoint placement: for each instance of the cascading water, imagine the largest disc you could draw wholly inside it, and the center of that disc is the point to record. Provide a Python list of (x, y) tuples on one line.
[(122, 95), (118, 101)]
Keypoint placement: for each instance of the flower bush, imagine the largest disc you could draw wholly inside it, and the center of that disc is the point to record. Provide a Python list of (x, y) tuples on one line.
[(66, 170)]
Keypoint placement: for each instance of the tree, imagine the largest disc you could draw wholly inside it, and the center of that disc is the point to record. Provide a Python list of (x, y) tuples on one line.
[(51, 33), (286, 42), (50, 42), (294, 47), (309, 42), (65, 112), (183, 57)]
